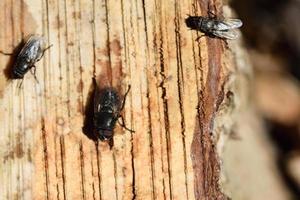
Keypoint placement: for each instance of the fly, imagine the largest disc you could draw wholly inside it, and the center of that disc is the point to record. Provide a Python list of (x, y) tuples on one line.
[(213, 27), (32, 51), (107, 110)]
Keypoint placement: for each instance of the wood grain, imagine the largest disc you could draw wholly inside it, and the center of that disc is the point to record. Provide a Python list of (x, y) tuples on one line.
[(177, 86)]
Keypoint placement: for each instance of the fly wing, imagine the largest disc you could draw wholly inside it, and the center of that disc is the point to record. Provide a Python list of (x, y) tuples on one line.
[(31, 49), (227, 34), (227, 24)]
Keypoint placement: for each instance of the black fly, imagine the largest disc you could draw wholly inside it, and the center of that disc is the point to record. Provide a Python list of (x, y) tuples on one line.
[(107, 111), (32, 51), (213, 27)]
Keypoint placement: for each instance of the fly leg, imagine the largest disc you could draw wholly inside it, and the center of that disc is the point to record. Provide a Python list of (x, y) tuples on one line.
[(111, 143), (21, 83), (122, 107), (199, 37), (19, 86), (210, 13), (124, 99), (44, 52), (33, 72), (226, 43), (124, 126)]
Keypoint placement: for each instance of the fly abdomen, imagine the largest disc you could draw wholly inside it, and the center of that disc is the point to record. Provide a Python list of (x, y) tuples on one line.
[(20, 69)]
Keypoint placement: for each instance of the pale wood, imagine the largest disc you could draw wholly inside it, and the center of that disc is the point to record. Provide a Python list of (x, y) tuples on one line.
[(177, 87)]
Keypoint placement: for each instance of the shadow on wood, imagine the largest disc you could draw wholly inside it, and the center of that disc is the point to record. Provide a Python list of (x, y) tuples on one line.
[(88, 127), (13, 56)]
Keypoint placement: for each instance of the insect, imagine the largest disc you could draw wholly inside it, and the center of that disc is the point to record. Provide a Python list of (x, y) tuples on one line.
[(107, 109), (213, 27), (32, 51)]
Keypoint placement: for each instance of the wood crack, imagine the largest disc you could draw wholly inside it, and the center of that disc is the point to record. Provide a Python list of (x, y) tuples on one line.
[(93, 183), (98, 168), (94, 38), (166, 115), (82, 169), (180, 87), (48, 40), (62, 156), (79, 30), (109, 69), (133, 171), (45, 157), (150, 136), (151, 144), (145, 23), (115, 174), (67, 62)]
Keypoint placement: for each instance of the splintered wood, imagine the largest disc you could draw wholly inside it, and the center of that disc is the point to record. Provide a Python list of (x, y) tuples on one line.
[(177, 84)]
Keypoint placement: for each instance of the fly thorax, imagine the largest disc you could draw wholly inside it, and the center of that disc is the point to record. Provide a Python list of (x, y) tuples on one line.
[(209, 24)]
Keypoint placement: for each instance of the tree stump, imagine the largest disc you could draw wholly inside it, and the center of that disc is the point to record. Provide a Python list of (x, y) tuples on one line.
[(178, 86)]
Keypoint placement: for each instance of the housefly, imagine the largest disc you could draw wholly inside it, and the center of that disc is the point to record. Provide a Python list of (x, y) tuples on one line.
[(213, 27), (107, 110), (32, 51)]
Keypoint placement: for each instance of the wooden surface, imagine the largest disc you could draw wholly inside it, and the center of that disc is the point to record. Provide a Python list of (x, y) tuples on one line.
[(177, 87)]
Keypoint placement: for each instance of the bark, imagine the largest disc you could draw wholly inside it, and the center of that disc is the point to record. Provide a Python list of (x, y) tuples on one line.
[(178, 87)]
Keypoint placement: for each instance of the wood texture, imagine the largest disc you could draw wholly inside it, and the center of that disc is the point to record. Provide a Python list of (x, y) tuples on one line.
[(177, 87)]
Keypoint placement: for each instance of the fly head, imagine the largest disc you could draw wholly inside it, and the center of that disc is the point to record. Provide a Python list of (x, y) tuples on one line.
[(194, 22)]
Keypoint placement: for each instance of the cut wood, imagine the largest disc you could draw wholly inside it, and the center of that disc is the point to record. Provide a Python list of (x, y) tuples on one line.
[(178, 85)]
